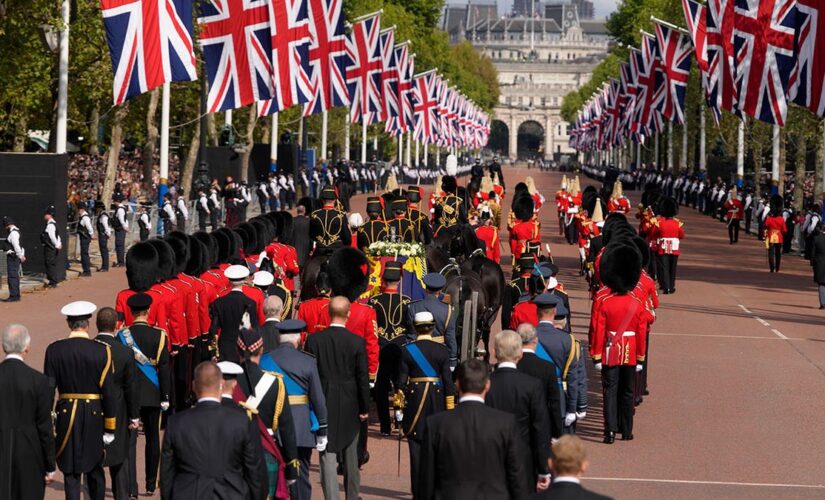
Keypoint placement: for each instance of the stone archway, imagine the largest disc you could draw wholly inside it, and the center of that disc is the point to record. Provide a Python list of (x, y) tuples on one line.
[(499, 138), (530, 140)]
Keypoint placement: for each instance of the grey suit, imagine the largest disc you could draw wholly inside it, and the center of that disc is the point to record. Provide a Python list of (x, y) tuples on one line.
[(444, 321)]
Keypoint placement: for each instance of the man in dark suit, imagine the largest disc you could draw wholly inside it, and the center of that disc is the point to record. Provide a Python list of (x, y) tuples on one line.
[(269, 329), (543, 370), (211, 450), (522, 395), (300, 234), (26, 438), (472, 452), (342, 366), (128, 411), (568, 464), (228, 314)]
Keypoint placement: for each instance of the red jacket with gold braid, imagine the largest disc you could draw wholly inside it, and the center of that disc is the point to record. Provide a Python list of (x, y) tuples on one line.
[(619, 328), (667, 235), (521, 233)]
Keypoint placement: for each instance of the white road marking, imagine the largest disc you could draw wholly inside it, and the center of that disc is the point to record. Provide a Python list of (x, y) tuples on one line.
[(763, 323), (744, 308), (720, 336), (779, 334), (721, 483)]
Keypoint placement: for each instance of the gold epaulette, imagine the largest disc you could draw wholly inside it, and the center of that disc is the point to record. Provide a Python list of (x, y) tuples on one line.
[(450, 402), (681, 224)]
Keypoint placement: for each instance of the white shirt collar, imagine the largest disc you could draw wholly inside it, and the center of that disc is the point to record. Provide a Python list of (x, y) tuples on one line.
[(14, 356), (549, 322), (527, 349), (226, 396), (338, 325), (471, 397), (213, 400), (272, 320), (567, 479), (507, 364)]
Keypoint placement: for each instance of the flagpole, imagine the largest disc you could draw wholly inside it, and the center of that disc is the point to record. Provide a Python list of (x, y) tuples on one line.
[(670, 145), (416, 154), (775, 156), (638, 155), (63, 82), (273, 140), (164, 144), (407, 152), (400, 148), (656, 150), (437, 156), (740, 152), (324, 128), (426, 147), (684, 156), (346, 134), (702, 131), (364, 138)]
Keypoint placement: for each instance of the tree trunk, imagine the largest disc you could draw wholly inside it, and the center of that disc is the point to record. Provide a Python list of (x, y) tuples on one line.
[(94, 126), (151, 143), (21, 127), (211, 130), (250, 141), (757, 165), (191, 159), (266, 132), (801, 149), (114, 154)]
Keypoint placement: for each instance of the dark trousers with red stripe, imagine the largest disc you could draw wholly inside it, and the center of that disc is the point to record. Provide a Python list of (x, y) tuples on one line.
[(617, 389)]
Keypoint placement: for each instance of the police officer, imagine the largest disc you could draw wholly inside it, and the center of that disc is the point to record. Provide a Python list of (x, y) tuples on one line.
[(145, 221), (428, 386), (245, 198), (393, 327), (261, 192), (306, 398), (121, 225), (400, 228), (104, 231), (328, 227), (202, 207), (85, 232), (153, 386), (80, 369), (167, 214), (435, 304), (181, 212), (51, 245), (375, 229), (15, 256), (214, 207)]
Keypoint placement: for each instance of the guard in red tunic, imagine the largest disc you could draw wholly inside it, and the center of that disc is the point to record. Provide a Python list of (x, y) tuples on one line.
[(488, 234), (141, 274), (563, 201), (526, 227), (733, 214), (667, 233), (618, 201), (284, 259), (618, 337), (775, 230)]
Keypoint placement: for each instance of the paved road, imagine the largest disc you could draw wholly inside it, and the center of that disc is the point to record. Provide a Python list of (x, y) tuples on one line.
[(737, 374)]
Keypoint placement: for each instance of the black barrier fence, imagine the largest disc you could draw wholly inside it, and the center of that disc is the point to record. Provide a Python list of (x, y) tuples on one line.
[(29, 183)]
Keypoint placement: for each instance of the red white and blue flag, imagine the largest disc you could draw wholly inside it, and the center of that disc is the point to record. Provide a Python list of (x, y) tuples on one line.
[(389, 78), (697, 26), (810, 53), (150, 42), (327, 56), (719, 25), (397, 123), (236, 38), (364, 67), (425, 107), (675, 51)]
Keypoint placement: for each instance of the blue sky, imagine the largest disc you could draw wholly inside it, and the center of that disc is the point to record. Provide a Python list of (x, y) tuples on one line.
[(603, 7)]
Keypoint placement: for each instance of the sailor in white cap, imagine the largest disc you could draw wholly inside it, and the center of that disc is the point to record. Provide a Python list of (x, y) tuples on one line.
[(80, 367), (229, 313)]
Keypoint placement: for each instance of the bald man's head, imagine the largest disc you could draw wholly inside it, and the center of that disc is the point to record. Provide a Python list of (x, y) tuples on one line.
[(208, 380), (339, 309)]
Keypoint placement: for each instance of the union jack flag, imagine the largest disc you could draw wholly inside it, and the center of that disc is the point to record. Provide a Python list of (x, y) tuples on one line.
[(810, 51), (675, 51), (697, 26), (389, 78), (291, 37), (150, 42), (236, 38), (443, 111), (763, 43), (628, 84), (425, 107), (327, 56), (719, 26), (403, 87), (364, 67)]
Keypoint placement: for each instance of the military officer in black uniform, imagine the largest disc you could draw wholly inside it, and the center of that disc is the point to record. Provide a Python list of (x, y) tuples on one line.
[(153, 386), (420, 222), (434, 303), (394, 328), (306, 398), (400, 228), (80, 369), (85, 232), (120, 225), (450, 209), (428, 386), (375, 229), (128, 409), (517, 288), (328, 227)]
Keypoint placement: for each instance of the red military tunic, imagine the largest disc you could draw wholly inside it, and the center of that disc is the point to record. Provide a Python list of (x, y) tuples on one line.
[(257, 295), (521, 233), (489, 235), (586, 230), (620, 204), (775, 229), (315, 313), (285, 261), (619, 328), (537, 201), (185, 294), (219, 282), (524, 312), (667, 235), (646, 291), (157, 311), (734, 209)]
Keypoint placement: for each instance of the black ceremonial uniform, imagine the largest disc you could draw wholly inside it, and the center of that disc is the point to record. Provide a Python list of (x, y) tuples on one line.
[(226, 314), (421, 225), (513, 293), (449, 211), (373, 230), (152, 342), (328, 228), (80, 368), (392, 319), (403, 229), (427, 390)]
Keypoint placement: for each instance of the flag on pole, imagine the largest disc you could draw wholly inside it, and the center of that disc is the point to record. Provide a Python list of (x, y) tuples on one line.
[(810, 53), (364, 67), (425, 107), (719, 25), (697, 26), (150, 43), (389, 78), (397, 122), (675, 51), (327, 56)]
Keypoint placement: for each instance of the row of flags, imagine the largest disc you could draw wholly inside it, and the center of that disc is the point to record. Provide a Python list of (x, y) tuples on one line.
[(283, 53), (754, 56)]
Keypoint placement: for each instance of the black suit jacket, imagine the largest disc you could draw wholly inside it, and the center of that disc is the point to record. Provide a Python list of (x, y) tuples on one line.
[(342, 366), (568, 491), (544, 371), (26, 436), (522, 395), (300, 238), (125, 391), (472, 453), (270, 335), (227, 313), (212, 451)]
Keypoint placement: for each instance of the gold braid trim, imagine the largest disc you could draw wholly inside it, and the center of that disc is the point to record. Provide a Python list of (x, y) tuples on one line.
[(450, 402), (108, 366), (418, 411), (68, 429), (279, 403)]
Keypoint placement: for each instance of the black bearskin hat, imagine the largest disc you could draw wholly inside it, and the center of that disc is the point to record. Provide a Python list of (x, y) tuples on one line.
[(264, 233), (210, 247), (284, 227), (272, 217), (225, 244), (141, 266), (449, 184), (249, 237), (233, 241), (521, 188), (668, 207), (180, 246), (166, 259), (198, 258), (523, 207), (235, 256), (644, 249), (621, 266), (347, 275), (777, 204), (651, 193), (589, 202), (617, 228)]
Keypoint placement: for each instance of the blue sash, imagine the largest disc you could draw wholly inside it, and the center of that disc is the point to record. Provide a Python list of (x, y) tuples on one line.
[(292, 387), (542, 353), (422, 362), (147, 368)]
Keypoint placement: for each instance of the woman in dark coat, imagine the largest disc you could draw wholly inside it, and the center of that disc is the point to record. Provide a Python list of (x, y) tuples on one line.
[(818, 261)]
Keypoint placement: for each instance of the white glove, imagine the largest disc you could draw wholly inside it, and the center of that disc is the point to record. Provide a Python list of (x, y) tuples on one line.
[(321, 443), (108, 438), (164, 406), (290, 482), (599, 366), (399, 415), (569, 419), (639, 368), (580, 416), (372, 385)]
